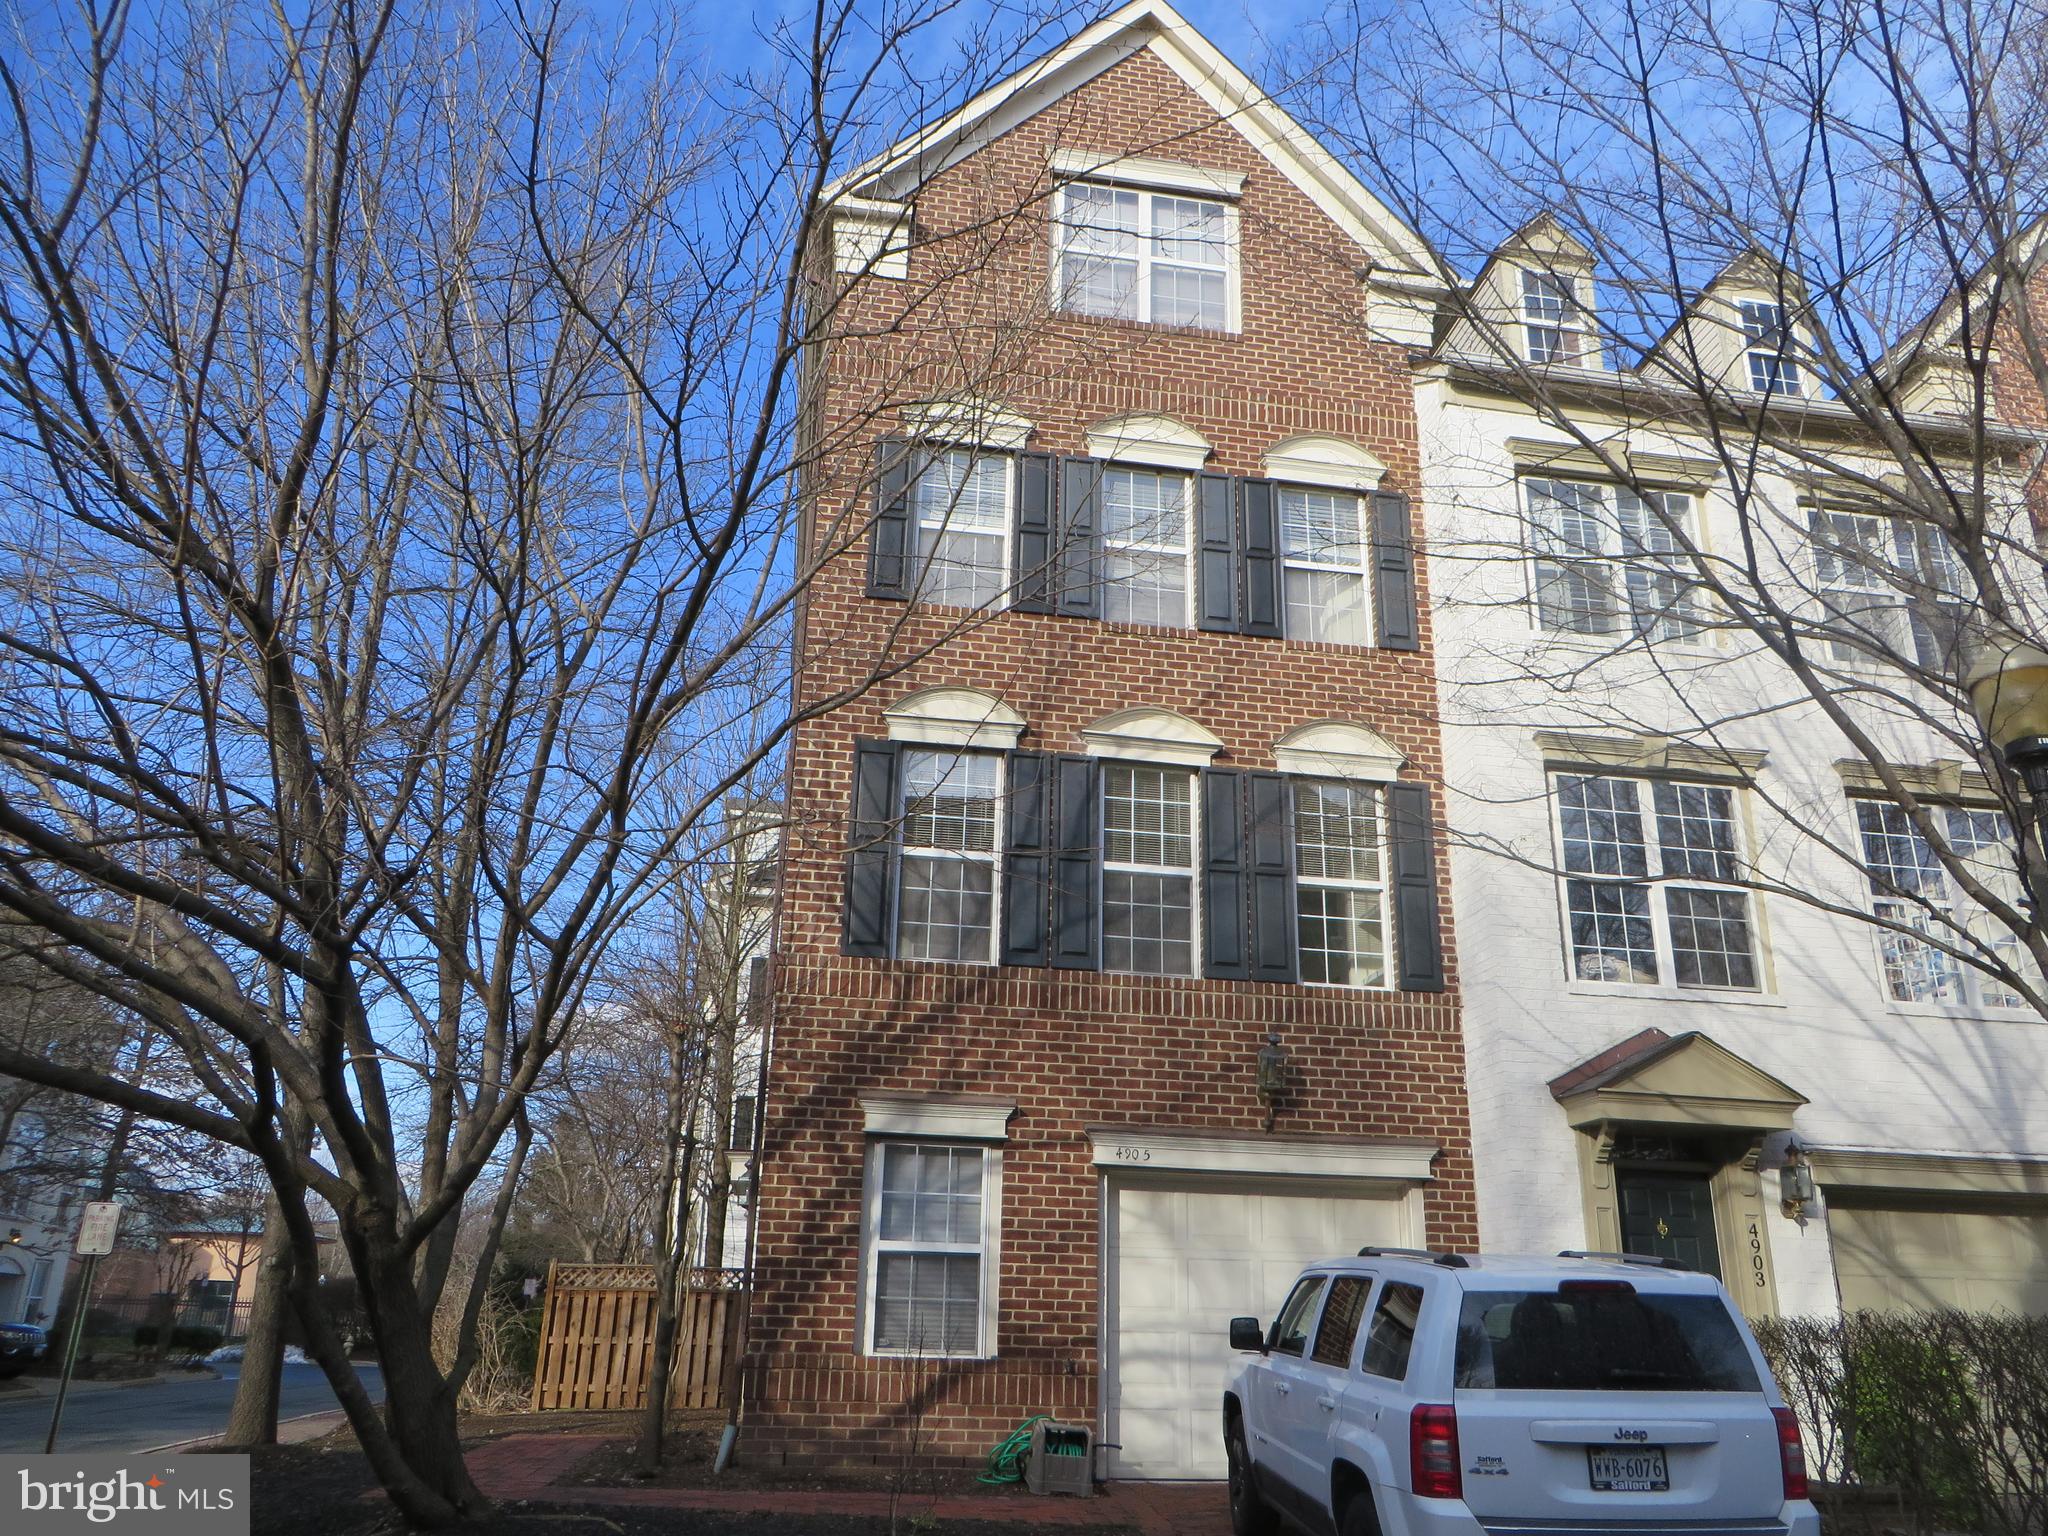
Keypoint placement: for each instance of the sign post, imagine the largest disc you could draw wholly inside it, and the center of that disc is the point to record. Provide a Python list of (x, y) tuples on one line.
[(96, 1230)]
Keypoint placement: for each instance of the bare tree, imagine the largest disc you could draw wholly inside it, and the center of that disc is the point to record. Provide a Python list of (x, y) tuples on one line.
[(1793, 252), (405, 418)]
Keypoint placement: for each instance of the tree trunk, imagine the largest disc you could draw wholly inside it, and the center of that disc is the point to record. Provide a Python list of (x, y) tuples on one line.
[(668, 1264), (252, 1420)]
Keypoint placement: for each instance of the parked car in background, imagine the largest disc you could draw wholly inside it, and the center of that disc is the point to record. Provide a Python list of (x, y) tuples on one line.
[(1415, 1394), (21, 1345)]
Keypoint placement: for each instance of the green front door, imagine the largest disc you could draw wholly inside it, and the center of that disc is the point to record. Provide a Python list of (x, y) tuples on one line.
[(1670, 1215)]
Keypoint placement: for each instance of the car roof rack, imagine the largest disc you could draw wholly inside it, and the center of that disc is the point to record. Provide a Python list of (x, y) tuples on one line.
[(1648, 1260), (1447, 1260)]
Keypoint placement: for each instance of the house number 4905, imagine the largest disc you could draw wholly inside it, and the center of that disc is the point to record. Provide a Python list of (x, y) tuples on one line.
[(1134, 1154)]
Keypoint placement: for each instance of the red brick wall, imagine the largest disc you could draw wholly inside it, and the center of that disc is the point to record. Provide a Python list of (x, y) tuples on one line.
[(1072, 1049), (2016, 392)]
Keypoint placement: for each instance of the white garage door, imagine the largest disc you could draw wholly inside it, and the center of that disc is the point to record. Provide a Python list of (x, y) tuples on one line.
[(1187, 1257), (1916, 1257)]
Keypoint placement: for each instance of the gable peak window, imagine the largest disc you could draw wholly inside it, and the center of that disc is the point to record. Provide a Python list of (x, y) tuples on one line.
[(1649, 871), (1767, 341), (1610, 560), (1130, 253), (1552, 323)]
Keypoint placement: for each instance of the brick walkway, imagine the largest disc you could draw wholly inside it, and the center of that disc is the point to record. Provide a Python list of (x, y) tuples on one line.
[(528, 1466)]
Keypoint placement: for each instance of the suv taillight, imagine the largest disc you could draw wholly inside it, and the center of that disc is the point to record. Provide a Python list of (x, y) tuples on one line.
[(1433, 1451), (1791, 1452)]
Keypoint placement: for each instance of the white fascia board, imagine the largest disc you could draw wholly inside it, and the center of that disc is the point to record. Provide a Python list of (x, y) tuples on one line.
[(945, 1119), (1144, 171), (1141, 1151)]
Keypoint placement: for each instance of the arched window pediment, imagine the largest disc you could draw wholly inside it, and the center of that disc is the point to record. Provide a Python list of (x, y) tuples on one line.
[(966, 422), (1152, 736), (1336, 749), (1324, 461), (955, 717), (1145, 437)]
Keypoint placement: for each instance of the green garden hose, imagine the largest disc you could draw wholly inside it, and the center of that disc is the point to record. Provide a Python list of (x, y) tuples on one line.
[(1006, 1461)]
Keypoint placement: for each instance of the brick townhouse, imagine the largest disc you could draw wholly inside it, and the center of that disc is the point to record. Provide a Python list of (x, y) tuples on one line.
[(1114, 976)]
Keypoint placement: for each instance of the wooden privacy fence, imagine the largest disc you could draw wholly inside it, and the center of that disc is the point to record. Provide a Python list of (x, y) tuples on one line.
[(597, 1338)]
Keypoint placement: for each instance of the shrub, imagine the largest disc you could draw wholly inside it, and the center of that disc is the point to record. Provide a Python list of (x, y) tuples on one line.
[(181, 1339)]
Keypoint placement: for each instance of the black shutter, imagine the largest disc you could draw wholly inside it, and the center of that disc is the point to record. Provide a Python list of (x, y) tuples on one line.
[(889, 553), (1076, 863), (1223, 900), (1272, 879), (1024, 859), (1031, 589), (1217, 570), (1259, 538), (1077, 561), (865, 923), (1415, 915), (1393, 577)]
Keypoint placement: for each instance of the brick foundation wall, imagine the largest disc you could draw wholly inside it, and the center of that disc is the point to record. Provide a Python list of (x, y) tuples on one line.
[(1072, 1049)]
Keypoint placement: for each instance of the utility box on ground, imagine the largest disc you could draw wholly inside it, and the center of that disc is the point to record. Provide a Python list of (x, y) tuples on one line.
[(1062, 1459)]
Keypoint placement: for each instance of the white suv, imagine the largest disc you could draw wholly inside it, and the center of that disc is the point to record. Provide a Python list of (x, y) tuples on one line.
[(1418, 1394)]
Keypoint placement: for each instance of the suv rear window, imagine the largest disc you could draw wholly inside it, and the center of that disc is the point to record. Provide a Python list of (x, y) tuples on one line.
[(1600, 1340)]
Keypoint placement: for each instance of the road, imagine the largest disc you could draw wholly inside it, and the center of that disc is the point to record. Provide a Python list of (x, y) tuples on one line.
[(141, 1418)]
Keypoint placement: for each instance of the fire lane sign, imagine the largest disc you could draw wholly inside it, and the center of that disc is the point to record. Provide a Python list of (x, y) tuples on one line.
[(96, 1228)]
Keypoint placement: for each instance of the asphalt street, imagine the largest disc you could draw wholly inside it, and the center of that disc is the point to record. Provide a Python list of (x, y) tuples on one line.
[(158, 1413)]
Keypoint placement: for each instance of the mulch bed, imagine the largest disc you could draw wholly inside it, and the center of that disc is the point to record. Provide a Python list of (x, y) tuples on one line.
[(323, 1487)]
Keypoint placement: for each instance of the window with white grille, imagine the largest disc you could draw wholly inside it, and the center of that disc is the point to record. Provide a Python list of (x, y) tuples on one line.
[(1147, 547), (1340, 883), (1767, 342), (1323, 542), (960, 510), (1550, 312), (1649, 899), (945, 902), (1888, 588), (1148, 870), (1127, 254), (1910, 887), (931, 1209), (1611, 561)]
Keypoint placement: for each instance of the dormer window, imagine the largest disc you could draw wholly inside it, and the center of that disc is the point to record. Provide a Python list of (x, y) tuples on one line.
[(1769, 339), (1551, 312), (1131, 254)]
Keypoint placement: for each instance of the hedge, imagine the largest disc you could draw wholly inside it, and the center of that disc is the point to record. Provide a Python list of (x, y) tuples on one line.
[(195, 1340), (1921, 1421)]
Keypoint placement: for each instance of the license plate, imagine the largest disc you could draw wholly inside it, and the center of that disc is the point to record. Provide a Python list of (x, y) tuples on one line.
[(1640, 1469)]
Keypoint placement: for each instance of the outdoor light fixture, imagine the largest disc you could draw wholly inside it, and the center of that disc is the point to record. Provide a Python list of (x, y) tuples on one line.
[(1272, 1075), (1795, 1182), (2007, 680), (14, 1234)]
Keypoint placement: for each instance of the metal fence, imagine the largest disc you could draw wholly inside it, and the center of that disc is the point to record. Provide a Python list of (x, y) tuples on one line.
[(123, 1315)]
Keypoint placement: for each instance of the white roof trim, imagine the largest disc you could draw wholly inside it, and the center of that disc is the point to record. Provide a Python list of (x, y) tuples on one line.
[(1155, 25), (1147, 735), (1150, 1151), (1331, 749), (1144, 171), (1143, 437), (969, 423), (955, 717), (1325, 461), (952, 1119)]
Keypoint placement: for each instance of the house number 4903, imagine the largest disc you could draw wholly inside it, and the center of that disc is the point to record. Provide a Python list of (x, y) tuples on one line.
[(1756, 1256), (1134, 1154)]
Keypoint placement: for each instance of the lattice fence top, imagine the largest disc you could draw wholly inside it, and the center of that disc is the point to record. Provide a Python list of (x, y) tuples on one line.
[(640, 1277)]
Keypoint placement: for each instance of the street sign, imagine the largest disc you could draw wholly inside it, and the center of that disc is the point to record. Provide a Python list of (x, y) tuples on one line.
[(96, 1228)]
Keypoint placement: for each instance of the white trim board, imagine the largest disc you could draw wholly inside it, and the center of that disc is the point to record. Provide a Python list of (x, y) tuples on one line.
[(1144, 1150), (942, 1118)]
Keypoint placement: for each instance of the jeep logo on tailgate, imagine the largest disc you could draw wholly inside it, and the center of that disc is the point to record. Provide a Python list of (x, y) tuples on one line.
[(1631, 1434)]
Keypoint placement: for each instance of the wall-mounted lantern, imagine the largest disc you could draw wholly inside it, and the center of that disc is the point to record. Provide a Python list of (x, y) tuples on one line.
[(1795, 1183), (1273, 1064)]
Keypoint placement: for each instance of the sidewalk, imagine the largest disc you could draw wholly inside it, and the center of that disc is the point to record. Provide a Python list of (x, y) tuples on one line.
[(46, 1386), (527, 1466)]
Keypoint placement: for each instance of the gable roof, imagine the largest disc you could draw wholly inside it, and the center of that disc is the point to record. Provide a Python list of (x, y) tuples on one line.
[(1150, 26), (1681, 1080)]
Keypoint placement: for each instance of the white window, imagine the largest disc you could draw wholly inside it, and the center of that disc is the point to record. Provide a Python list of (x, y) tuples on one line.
[(1340, 884), (1611, 561), (960, 509), (1550, 313), (38, 1289), (1647, 867), (1148, 870), (1887, 588), (932, 1210), (1147, 547), (1322, 540), (1909, 886), (945, 901), (1769, 343), (1152, 256)]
